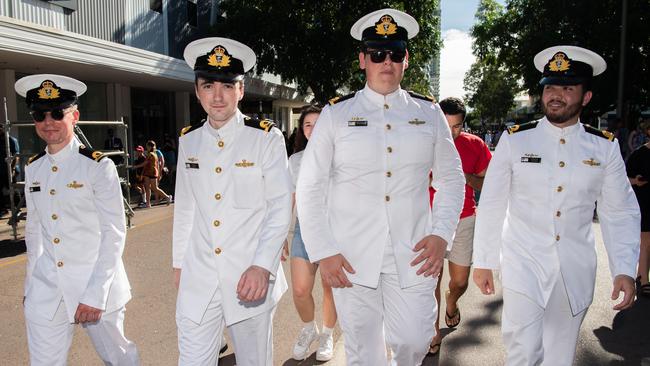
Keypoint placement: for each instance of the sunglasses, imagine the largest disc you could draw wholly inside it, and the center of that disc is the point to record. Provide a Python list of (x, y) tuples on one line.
[(378, 56), (57, 114)]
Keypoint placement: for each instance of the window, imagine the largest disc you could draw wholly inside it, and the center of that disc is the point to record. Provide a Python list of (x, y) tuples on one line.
[(156, 5), (191, 13)]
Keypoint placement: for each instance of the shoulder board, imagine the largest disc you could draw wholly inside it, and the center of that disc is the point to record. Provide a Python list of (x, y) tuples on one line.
[(423, 97), (190, 128), (522, 127), (35, 157), (260, 124), (341, 99), (604, 134), (91, 154)]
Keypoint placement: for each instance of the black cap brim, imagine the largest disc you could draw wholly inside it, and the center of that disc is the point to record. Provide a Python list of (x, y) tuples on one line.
[(220, 77), (385, 45), (558, 80)]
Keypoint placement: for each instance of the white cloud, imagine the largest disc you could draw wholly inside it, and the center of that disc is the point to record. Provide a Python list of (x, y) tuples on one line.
[(455, 59)]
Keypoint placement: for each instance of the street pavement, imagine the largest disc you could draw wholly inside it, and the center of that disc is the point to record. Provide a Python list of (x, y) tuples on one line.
[(607, 337)]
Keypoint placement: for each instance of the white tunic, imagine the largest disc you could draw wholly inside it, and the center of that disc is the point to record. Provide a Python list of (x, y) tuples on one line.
[(536, 212), (363, 185), (232, 210), (75, 233)]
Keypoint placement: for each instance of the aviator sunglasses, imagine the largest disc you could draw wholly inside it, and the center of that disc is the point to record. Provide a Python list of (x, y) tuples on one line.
[(378, 56), (57, 113)]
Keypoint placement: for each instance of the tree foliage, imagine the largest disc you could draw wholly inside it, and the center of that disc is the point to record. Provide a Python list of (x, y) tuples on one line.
[(308, 42), (513, 35)]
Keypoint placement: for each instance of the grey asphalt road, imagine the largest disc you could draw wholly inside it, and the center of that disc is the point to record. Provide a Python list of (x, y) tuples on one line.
[(607, 337)]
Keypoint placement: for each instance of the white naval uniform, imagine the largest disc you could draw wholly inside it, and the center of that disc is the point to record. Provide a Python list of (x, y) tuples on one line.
[(232, 210), (75, 235), (541, 187), (363, 192)]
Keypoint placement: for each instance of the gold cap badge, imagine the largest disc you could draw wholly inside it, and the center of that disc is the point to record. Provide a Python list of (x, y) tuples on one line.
[(219, 57), (386, 26), (48, 90), (559, 62)]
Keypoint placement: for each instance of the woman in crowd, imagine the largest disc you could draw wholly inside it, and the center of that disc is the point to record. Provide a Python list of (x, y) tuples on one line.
[(303, 272), (638, 171), (151, 172)]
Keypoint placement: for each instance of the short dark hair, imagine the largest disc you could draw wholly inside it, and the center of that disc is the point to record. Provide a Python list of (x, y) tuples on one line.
[(453, 106), (300, 141), (197, 77)]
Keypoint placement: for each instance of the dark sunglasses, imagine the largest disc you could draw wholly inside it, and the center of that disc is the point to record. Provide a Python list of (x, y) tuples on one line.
[(378, 56), (57, 114)]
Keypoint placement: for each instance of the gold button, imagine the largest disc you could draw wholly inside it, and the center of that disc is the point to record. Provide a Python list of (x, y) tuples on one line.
[(56, 240), (386, 106), (557, 238), (54, 217), (389, 174), (220, 144), (54, 168), (558, 214), (562, 141), (388, 127), (389, 149), (217, 196), (562, 164), (217, 251), (387, 198), (59, 264), (52, 192), (216, 223), (559, 188), (217, 169)]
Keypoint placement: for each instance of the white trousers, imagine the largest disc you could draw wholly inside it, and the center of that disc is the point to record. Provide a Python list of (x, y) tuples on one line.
[(49, 339), (540, 336), (199, 344), (405, 315)]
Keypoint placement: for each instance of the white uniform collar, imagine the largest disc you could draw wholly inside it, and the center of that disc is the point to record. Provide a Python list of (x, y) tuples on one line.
[(64, 153), (227, 131), (393, 99), (557, 131)]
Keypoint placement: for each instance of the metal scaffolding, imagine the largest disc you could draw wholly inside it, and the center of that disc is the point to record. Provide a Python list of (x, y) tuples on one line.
[(19, 186)]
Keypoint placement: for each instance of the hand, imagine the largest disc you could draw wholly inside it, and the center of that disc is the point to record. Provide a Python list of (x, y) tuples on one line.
[(253, 284), (433, 251), (177, 277), (484, 280), (626, 284), (332, 273), (285, 251), (87, 314)]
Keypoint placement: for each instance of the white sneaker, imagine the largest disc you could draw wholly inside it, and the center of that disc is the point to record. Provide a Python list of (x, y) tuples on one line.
[(325, 347), (305, 339)]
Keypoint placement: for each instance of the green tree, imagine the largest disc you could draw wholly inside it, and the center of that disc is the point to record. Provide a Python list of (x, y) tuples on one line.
[(491, 90), (308, 41), (512, 36)]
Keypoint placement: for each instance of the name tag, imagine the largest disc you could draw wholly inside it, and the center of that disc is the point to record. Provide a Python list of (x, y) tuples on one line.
[(357, 123), (35, 189), (192, 165), (528, 159)]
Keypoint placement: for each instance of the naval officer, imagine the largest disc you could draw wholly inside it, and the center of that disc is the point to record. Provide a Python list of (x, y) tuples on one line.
[(75, 234), (536, 211), (363, 203), (231, 216)]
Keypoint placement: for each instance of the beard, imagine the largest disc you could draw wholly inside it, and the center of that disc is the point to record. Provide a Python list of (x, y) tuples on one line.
[(569, 111)]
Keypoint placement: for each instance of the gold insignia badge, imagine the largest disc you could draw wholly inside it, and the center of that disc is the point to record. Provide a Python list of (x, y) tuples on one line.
[(417, 122), (48, 91), (244, 164), (192, 159), (36, 183), (74, 185), (266, 124), (560, 62), (386, 26), (591, 162), (219, 57), (97, 155)]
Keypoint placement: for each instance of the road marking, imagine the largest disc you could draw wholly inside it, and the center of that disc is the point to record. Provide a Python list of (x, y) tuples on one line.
[(24, 257)]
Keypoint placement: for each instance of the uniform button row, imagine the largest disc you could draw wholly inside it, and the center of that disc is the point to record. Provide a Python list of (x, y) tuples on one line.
[(557, 238), (216, 223), (52, 192), (562, 141), (54, 217), (56, 240), (217, 196), (59, 264), (559, 188), (562, 164), (387, 198), (220, 144), (389, 149), (54, 168), (388, 126), (558, 214), (217, 251), (218, 169), (389, 174)]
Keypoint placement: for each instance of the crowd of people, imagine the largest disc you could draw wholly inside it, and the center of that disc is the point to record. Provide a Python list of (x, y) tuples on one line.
[(357, 185)]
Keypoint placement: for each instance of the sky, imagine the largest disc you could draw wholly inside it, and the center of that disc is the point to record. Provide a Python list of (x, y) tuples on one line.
[(456, 55)]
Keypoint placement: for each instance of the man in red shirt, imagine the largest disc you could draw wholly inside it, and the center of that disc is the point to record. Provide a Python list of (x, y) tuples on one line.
[(475, 156)]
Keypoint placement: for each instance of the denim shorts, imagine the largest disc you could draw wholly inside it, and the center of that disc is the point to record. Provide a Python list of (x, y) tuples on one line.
[(298, 245)]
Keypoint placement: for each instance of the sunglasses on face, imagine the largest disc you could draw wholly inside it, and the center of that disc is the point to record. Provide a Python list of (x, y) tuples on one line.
[(378, 56), (57, 114)]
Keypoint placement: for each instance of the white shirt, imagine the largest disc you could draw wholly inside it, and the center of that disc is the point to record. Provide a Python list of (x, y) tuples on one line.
[(232, 210), (75, 232), (536, 211), (363, 184), (295, 161)]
